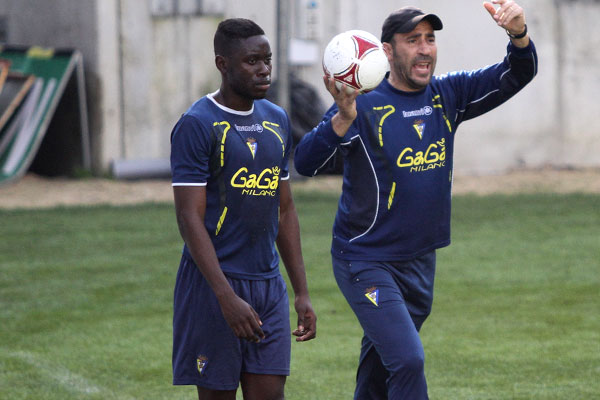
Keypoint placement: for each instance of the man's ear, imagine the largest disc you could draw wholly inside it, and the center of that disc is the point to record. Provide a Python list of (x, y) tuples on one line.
[(389, 52), (221, 63)]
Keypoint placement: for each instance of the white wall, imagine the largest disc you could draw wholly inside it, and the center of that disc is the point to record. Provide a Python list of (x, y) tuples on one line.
[(579, 57), (106, 96)]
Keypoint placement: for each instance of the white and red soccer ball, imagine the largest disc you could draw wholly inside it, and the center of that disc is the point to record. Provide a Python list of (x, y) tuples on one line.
[(357, 59)]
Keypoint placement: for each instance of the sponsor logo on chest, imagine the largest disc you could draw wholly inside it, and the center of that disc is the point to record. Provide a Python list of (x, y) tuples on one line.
[(263, 184), (249, 128), (427, 110)]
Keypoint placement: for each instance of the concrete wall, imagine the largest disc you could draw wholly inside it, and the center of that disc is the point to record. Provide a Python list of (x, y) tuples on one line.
[(145, 67), (578, 66), (106, 89), (161, 68)]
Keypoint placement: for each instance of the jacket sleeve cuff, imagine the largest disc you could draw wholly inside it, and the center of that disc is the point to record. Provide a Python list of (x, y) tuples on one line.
[(328, 134), (521, 52)]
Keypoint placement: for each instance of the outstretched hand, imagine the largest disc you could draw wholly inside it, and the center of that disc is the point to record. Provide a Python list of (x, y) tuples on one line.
[(509, 15)]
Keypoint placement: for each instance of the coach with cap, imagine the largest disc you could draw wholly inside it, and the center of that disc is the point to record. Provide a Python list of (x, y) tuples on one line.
[(397, 144)]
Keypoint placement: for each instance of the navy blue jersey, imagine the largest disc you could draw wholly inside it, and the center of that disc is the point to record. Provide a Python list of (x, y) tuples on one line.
[(396, 194), (240, 157)]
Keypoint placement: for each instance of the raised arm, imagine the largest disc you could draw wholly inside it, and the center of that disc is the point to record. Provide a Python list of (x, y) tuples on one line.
[(318, 147), (511, 17), (345, 100), (482, 90)]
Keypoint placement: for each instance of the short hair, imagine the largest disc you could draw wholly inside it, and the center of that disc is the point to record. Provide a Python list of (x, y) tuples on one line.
[(231, 30)]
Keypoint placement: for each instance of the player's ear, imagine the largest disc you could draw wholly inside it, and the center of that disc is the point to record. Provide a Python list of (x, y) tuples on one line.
[(221, 63)]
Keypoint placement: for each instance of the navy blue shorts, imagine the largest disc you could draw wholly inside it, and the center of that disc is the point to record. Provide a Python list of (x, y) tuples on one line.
[(391, 301), (206, 352)]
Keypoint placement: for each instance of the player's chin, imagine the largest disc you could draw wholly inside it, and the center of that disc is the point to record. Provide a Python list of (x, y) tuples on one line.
[(258, 95), (260, 91), (420, 82)]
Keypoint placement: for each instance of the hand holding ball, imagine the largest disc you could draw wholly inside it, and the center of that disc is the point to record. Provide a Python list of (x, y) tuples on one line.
[(357, 59)]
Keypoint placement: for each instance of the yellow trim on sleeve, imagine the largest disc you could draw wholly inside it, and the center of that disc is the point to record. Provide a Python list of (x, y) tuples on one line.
[(227, 127), (265, 125)]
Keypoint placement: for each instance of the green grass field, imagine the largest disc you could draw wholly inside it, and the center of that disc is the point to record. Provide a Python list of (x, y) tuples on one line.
[(86, 300)]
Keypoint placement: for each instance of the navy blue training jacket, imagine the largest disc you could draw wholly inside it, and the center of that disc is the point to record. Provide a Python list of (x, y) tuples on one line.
[(397, 183)]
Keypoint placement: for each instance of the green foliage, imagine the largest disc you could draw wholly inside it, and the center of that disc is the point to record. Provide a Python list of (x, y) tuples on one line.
[(86, 303)]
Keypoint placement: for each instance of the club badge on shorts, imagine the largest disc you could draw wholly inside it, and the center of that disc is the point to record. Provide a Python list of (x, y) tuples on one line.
[(201, 363), (372, 294)]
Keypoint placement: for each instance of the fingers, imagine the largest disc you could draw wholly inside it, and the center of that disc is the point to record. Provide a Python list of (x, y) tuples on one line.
[(307, 327), (509, 15), (490, 9), (508, 12), (345, 99), (300, 331), (330, 85), (305, 334), (328, 79), (326, 82), (339, 90), (249, 327), (251, 333), (256, 333)]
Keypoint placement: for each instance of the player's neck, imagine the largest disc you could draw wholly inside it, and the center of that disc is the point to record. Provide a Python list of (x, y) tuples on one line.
[(232, 100)]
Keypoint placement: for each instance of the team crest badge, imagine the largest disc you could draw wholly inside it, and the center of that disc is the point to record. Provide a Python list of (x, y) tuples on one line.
[(252, 145), (419, 126), (372, 294), (201, 363)]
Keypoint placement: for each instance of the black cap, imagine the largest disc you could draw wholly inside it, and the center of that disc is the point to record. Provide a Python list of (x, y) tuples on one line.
[(404, 20)]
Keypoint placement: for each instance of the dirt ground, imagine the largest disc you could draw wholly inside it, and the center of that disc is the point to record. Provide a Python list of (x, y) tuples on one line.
[(37, 192)]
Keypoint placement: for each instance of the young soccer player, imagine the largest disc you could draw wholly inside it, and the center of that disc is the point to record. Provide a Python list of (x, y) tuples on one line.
[(229, 162)]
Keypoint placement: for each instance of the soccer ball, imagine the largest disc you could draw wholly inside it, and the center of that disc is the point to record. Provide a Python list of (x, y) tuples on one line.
[(357, 59)]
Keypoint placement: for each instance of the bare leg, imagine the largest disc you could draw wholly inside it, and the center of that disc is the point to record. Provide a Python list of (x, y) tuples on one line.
[(208, 394), (263, 387)]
